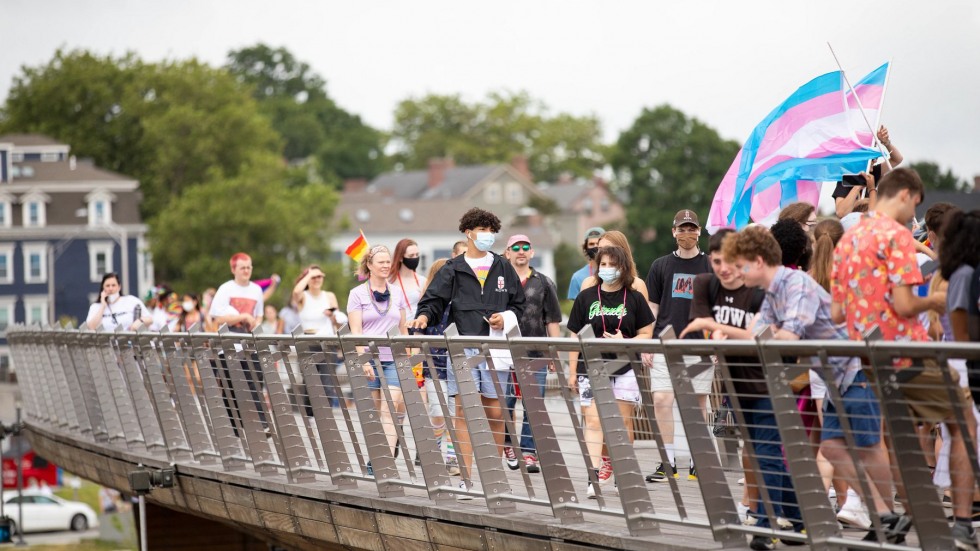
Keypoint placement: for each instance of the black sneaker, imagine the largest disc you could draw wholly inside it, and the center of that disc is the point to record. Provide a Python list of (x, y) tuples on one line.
[(660, 475), (895, 527), (418, 460), (964, 536), (760, 543), (692, 473)]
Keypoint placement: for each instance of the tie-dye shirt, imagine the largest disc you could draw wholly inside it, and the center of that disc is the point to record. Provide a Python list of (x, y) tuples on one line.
[(480, 267), (872, 258)]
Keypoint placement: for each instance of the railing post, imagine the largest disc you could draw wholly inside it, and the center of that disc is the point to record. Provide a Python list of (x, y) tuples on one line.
[(132, 362), (557, 481), (632, 488), (182, 367), (162, 418), (93, 344), (717, 495), (218, 398), (815, 510), (922, 501)]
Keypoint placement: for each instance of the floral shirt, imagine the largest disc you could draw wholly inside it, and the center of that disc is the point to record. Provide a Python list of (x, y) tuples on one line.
[(871, 259)]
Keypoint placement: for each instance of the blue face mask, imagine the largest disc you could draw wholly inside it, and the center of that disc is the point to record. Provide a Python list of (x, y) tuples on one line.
[(609, 275), (484, 240)]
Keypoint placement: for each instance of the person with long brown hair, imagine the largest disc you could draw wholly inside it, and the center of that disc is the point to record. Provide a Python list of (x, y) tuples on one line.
[(616, 238), (404, 263), (826, 234)]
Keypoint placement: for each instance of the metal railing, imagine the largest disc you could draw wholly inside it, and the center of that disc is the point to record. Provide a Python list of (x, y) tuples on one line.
[(300, 407)]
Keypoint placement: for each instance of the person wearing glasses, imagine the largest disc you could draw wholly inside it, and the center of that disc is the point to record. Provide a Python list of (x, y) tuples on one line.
[(114, 310), (319, 312), (801, 212)]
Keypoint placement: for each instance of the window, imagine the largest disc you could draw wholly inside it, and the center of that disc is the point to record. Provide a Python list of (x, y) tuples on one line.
[(99, 207), (515, 195), (6, 263), (5, 215), (34, 210), (35, 262), (17, 157), (6, 313), (491, 194), (36, 309), (50, 157), (100, 259), (5, 367)]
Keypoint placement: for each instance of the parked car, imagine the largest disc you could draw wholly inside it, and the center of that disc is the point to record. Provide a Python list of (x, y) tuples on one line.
[(43, 513)]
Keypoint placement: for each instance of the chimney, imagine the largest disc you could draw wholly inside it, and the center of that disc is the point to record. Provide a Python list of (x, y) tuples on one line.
[(355, 185), (72, 163), (976, 184), (519, 162), (437, 170)]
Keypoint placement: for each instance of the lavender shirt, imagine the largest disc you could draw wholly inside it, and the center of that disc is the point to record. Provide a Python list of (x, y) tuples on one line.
[(373, 323)]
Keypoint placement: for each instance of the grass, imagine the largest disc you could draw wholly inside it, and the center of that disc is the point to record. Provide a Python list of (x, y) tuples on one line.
[(88, 493), (84, 545)]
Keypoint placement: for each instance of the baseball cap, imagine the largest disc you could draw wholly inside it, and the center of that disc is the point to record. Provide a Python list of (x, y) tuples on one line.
[(686, 217), (518, 238), (594, 231)]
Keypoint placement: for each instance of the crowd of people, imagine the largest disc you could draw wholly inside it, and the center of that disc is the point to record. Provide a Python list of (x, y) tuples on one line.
[(805, 277)]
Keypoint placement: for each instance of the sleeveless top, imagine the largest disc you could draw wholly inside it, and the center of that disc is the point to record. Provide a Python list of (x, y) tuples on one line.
[(311, 315)]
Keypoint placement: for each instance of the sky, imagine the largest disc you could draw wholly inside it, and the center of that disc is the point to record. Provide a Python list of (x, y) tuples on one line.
[(726, 63)]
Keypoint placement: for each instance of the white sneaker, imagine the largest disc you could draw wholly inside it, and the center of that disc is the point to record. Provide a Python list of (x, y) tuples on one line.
[(741, 481), (855, 517), (743, 512), (590, 491), (784, 523)]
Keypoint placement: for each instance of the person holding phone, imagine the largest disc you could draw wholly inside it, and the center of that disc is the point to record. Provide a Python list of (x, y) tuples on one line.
[(319, 312), (853, 186), (114, 310)]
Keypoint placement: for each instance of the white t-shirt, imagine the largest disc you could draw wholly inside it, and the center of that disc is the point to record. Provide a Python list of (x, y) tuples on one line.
[(123, 312), (411, 292), (233, 299), (480, 266)]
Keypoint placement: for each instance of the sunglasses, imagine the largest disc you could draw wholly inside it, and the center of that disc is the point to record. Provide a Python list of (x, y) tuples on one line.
[(516, 248)]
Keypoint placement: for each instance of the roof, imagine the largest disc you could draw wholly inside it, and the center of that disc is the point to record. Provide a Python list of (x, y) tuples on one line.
[(564, 195), (392, 214), (415, 183), (61, 171), (963, 199), (28, 139)]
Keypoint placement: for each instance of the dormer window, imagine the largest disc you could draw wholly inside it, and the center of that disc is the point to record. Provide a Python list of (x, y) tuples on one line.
[(99, 207), (34, 209)]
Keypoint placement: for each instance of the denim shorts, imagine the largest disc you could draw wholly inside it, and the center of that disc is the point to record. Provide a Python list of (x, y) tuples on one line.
[(390, 374), (481, 377), (863, 412)]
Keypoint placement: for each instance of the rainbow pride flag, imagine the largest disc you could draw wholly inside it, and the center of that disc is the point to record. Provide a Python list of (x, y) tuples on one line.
[(817, 135), (358, 248)]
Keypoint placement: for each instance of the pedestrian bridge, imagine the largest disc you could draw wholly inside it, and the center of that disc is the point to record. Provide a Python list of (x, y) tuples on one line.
[(259, 442)]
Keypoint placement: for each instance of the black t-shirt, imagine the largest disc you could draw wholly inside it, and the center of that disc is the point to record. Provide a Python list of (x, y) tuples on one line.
[(628, 316), (737, 308), (670, 283)]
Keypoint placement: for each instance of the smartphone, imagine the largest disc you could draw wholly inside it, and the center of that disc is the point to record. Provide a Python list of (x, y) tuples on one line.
[(929, 267), (852, 180)]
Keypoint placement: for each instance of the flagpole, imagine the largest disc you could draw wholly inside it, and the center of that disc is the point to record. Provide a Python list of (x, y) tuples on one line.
[(884, 89), (881, 149)]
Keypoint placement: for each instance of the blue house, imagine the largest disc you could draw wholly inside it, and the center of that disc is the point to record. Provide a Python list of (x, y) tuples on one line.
[(63, 223)]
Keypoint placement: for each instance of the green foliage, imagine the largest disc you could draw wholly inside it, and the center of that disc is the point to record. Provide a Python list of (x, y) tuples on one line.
[(171, 125), (666, 162), (935, 179), (568, 259), (280, 227), (311, 124), (495, 130)]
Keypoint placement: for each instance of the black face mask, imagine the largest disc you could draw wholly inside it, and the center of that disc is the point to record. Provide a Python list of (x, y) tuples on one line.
[(411, 263), (591, 252), (381, 297)]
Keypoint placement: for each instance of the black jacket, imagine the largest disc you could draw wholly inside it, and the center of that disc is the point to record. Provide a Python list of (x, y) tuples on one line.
[(457, 283)]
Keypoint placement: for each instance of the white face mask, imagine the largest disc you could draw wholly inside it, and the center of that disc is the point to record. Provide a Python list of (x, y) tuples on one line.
[(483, 240), (609, 274), (188, 306), (113, 297)]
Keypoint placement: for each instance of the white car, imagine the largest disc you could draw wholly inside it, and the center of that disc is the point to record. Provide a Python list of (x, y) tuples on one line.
[(43, 513)]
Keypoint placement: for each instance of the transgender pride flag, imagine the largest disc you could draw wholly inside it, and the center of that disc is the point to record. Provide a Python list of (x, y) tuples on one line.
[(817, 135)]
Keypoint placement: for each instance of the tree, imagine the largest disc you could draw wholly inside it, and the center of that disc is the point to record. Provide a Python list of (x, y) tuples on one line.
[(171, 125), (493, 131), (312, 125), (280, 227), (666, 162), (934, 178)]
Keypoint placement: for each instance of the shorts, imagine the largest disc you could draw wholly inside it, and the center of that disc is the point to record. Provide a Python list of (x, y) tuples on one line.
[(818, 386), (863, 412), (928, 397), (660, 376), (624, 388), (390, 374), (432, 391), (481, 377)]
